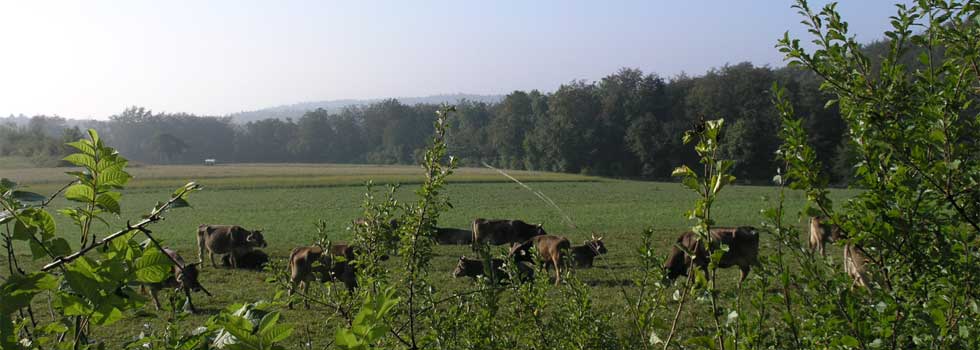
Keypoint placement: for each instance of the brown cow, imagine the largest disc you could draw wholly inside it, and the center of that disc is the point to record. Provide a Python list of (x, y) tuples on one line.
[(226, 239), (550, 250), (583, 255), (821, 231), (302, 261), (453, 236), (184, 278), (499, 232), (743, 250), (474, 268)]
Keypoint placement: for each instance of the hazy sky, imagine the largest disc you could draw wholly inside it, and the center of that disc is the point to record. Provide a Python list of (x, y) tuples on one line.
[(94, 58)]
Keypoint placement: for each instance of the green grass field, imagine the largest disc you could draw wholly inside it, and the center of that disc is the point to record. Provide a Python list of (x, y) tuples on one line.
[(285, 199)]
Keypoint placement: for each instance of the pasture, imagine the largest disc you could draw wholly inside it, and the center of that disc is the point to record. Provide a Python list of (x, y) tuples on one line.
[(286, 199)]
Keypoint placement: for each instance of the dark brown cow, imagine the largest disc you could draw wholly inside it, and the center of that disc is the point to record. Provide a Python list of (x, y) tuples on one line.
[(583, 255), (499, 232), (183, 279), (453, 236), (226, 239), (822, 231), (252, 260), (474, 268), (550, 250), (743, 250), (304, 263)]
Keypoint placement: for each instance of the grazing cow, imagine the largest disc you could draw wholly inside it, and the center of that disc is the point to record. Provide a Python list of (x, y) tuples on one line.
[(499, 232), (855, 263), (822, 231), (226, 239), (302, 266), (743, 250), (184, 278), (252, 260), (474, 268), (453, 236), (583, 255), (550, 249)]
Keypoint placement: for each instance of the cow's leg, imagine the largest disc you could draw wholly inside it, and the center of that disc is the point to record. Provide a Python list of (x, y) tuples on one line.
[(745, 273), (554, 261), (190, 304), (153, 294), (306, 294), (211, 256)]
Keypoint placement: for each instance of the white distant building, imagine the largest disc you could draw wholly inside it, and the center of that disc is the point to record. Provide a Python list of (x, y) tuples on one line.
[(209, 161)]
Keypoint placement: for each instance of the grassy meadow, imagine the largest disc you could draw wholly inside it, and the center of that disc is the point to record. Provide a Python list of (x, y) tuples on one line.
[(285, 199)]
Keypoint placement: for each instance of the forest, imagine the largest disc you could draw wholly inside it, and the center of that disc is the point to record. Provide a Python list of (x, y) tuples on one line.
[(623, 125)]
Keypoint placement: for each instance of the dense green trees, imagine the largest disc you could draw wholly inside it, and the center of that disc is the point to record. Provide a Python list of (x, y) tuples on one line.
[(623, 125)]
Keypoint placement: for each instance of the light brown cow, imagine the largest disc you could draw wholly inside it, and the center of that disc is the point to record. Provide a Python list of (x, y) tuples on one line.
[(822, 231), (304, 263), (743, 250), (183, 278), (227, 239), (550, 251), (499, 232)]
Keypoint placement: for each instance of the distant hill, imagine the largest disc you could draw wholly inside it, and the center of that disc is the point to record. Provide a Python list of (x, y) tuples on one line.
[(295, 111)]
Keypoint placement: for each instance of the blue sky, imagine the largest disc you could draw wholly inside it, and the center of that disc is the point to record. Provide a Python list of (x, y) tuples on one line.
[(94, 58)]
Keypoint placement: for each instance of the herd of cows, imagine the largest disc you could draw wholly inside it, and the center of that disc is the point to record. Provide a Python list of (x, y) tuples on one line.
[(336, 262)]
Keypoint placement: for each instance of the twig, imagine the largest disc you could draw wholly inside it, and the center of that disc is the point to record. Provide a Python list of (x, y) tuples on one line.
[(537, 193), (140, 226)]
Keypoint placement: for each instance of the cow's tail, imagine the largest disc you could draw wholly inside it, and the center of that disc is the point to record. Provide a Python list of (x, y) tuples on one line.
[(202, 237), (476, 234)]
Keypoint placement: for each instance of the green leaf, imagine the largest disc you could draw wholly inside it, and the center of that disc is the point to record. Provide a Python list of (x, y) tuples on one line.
[(113, 177), (44, 222), (849, 341), (109, 201), (79, 193), (82, 160), (153, 267), (95, 137), (85, 146)]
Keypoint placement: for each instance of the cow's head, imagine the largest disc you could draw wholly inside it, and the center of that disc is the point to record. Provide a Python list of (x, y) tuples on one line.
[(539, 231), (460, 269), (255, 239), (676, 265), (597, 246)]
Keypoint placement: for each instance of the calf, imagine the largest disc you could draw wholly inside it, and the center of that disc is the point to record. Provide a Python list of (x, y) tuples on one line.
[(304, 262), (227, 239), (583, 255), (822, 231), (453, 236), (499, 232), (550, 249), (743, 250), (184, 278)]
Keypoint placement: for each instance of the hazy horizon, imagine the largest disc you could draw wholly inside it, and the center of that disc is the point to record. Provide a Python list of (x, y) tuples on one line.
[(82, 59)]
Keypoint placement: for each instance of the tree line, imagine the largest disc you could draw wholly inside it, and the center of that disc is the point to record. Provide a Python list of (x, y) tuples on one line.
[(624, 125)]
